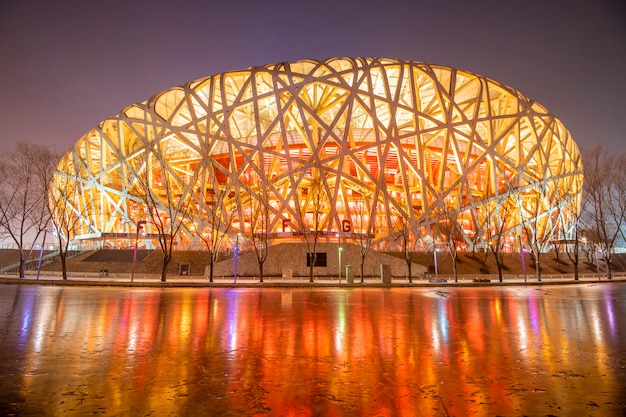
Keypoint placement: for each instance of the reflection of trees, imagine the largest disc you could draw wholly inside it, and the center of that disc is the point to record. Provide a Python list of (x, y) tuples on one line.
[(202, 332)]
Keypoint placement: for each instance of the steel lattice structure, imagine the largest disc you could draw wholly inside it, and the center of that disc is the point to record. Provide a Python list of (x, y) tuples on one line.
[(387, 142)]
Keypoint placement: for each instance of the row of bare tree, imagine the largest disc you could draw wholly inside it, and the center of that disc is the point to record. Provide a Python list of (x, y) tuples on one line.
[(34, 200), (601, 222), (593, 224), (25, 213)]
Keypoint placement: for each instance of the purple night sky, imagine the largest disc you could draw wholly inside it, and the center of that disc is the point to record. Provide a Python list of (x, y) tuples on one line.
[(66, 65)]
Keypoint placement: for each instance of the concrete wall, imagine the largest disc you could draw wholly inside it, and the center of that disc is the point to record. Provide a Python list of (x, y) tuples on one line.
[(289, 259)]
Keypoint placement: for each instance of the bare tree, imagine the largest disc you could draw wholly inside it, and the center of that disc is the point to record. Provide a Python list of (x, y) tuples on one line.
[(24, 213), (605, 210), (539, 210), (215, 219), (257, 208), (474, 235), (166, 194), (362, 234), (480, 217), (67, 204), (402, 231), (214, 231), (619, 175), (310, 216), (570, 223), (450, 232), (496, 214)]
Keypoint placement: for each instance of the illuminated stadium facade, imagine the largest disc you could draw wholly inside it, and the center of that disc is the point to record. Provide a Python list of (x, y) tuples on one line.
[(347, 147)]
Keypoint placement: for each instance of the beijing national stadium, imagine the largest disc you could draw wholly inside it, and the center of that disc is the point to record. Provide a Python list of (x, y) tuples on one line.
[(347, 147)]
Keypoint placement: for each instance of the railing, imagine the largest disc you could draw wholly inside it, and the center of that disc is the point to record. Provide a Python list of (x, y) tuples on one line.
[(441, 281), (32, 263)]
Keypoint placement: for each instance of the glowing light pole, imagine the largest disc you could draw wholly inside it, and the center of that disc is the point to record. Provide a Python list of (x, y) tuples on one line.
[(436, 267), (340, 249), (236, 257), (41, 249), (139, 225)]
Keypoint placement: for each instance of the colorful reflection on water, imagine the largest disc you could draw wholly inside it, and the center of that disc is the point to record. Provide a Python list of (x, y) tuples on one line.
[(325, 352)]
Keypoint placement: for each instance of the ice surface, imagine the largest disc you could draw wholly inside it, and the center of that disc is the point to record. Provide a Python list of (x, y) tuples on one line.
[(546, 350)]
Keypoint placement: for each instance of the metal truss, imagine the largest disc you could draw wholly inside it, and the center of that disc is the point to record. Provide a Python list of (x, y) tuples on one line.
[(387, 142)]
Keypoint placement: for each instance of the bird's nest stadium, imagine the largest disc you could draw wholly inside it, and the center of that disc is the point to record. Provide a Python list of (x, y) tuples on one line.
[(346, 148)]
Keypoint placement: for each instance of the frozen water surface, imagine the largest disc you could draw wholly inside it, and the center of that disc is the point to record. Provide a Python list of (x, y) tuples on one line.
[(549, 350)]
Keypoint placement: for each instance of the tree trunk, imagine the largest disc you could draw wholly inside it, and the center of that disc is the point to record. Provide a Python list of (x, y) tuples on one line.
[(607, 261), (456, 279), (537, 267), (484, 261), (63, 256), (573, 257), (21, 268), (362, 266), (166, 261), (576, 252), (260, 271), (408, 264), (312, 259), (496, 256), (499, 265), (22, 264)]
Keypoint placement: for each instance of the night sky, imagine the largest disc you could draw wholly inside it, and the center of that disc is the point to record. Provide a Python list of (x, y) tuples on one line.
[(67, 65)]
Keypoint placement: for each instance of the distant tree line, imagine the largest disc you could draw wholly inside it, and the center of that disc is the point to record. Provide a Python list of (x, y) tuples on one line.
[(38, 196)]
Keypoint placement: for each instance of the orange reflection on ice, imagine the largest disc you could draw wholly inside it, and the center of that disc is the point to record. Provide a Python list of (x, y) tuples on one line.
[(300, 352)]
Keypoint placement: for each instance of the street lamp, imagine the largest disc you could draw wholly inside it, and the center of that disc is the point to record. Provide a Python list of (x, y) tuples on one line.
[(340, 249), (236, 257), (139, 226), (41, 249), (436, 267)]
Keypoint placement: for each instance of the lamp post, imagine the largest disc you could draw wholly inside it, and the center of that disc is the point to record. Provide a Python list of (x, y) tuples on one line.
[(521, 251), (339, 255), (139, 225), (524, 264), (340, 249), (41, 249), (436, 267), (236, 258)]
